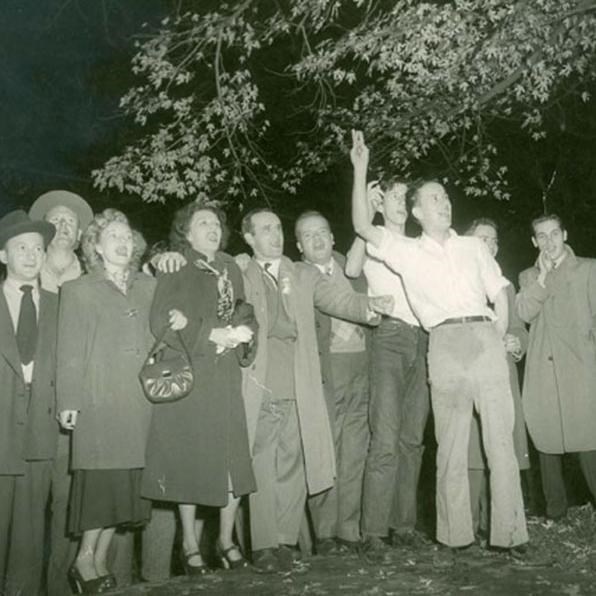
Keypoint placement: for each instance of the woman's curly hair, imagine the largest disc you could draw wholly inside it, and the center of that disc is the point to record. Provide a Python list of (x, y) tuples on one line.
[(182, 220), (92, 259)]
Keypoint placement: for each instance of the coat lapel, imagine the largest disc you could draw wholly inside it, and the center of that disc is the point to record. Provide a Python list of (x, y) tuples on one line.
[(8, 342)]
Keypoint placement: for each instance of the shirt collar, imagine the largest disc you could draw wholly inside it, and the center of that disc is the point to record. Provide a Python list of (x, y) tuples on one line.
[(431, 243), (326, 269), (15, 285)]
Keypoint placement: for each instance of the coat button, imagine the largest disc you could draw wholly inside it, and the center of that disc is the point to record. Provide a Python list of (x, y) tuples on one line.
[(550, 358)]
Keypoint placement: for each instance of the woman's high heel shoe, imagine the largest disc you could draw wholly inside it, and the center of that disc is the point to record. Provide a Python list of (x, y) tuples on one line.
[(189, 569), (224, 556), (97, 585)]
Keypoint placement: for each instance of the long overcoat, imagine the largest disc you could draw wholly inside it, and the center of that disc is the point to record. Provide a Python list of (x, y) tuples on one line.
[(103, 340), (559, 392), (304, 288), (476, 455), (200, 443), (28, 431)]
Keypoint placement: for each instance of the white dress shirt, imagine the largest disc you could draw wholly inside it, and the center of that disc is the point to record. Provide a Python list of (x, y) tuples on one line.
[(443, 281)]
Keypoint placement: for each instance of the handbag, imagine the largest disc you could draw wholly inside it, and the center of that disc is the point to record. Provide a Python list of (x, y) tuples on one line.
[(166, 374)]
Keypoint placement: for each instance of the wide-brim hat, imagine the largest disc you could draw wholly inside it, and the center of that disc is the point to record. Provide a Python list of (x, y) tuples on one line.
[(18, 222), (63, 198)]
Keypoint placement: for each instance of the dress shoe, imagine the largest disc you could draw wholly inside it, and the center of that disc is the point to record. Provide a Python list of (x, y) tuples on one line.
[(79, 585), (226, 561), (375, 550), (326, 547), (193, 570), (265, 561)]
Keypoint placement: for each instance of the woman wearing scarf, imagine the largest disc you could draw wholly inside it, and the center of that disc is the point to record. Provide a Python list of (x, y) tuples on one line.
[(198, 452)]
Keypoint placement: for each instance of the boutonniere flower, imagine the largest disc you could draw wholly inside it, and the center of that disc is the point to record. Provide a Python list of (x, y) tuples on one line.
[(285, 285)]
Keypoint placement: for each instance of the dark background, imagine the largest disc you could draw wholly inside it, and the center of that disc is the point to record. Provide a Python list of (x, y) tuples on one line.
[(66, 63)]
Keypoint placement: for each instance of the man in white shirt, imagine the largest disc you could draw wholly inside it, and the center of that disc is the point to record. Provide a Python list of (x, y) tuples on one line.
[(399, 403), (449, 279), (345, 371)]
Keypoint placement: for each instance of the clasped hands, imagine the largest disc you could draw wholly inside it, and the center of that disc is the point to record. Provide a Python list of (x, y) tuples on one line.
[(229, 337)]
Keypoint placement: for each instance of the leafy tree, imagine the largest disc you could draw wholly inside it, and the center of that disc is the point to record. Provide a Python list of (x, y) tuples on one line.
[(241, 102)]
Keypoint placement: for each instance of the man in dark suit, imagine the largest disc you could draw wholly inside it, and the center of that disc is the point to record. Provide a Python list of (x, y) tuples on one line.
[(344, 369), (28, 427)]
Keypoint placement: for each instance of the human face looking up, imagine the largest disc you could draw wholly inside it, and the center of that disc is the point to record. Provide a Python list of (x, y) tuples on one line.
[(204, 232), (266, 237), (393, 207), (488, 235), (550, 239), (66, 222), (115, 245), (315, 240), (433, 208), (23, 256)]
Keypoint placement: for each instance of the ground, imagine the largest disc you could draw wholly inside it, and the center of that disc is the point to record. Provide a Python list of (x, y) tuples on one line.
[(566, 551)]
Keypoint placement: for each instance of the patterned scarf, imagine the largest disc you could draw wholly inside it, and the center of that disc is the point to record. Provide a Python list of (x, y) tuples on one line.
[(225, 290)]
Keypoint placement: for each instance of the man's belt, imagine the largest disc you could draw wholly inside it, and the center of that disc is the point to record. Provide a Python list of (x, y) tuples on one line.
[(457, 320)]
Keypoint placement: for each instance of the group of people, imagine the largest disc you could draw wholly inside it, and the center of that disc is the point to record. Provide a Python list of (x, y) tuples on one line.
[(313, 383)]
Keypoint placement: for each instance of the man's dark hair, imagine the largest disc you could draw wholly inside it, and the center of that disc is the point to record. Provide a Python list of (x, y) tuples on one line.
[(413, 193), (386, 184), (305, 215), (548, 217), (246, 225), (482, 221)]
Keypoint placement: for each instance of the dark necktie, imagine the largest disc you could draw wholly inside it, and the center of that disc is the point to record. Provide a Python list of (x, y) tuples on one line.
[(27, 325), (268, 271)]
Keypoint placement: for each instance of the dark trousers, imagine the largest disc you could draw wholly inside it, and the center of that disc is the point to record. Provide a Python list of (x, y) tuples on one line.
[(336, 512), (553, 483), (23, 501), (399, 406)]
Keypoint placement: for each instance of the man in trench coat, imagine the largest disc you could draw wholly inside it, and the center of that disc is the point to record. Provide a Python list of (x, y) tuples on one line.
[(288, 423), (557, 298)]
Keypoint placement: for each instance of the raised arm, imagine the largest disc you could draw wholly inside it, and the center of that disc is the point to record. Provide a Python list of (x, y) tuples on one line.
[(355, 258), (361, 217)]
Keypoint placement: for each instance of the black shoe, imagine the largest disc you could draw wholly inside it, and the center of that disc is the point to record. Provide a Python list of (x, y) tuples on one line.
[(193, 570), (79, 585), (265, 561), (109, 580), (374, 550), (528, 556), (326, 547), (224, 556), (347, 547), (411, 539), (287, 555)]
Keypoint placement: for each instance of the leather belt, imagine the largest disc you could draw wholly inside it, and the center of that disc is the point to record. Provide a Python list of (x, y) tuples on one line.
[(472, 319)]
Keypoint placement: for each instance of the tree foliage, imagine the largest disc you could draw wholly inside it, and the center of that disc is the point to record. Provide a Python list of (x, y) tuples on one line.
[(241, 102)]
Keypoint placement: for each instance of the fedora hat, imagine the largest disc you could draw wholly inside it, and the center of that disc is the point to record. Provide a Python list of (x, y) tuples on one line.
[(63, 198), (18, 222)]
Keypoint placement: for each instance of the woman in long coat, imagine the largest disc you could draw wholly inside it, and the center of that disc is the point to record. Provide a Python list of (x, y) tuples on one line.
[(103, 339), (198, 450), (516, 344)]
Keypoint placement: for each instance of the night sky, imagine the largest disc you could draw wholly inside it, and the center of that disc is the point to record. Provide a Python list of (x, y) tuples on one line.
[(66, 63)]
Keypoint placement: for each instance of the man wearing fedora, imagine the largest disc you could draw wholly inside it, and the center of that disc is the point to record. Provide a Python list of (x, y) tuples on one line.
[(28, 427)]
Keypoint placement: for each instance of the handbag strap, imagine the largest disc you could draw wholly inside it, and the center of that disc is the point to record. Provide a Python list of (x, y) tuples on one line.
[(160, 339)]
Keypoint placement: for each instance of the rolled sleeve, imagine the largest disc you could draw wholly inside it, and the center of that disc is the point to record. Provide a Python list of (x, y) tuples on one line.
[(490, 272)]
